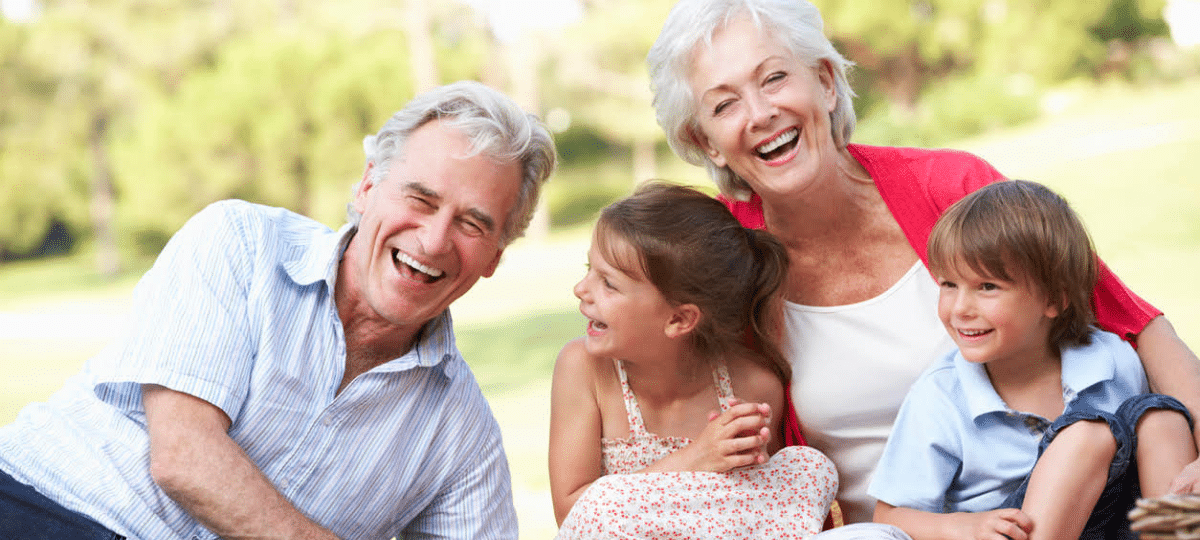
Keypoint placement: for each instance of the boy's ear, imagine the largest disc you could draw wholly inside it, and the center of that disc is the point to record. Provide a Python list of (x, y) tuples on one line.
[(683, 320), (1054, 309)]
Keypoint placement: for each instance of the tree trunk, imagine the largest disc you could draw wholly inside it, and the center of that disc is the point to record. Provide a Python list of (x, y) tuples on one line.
[(103, 203)]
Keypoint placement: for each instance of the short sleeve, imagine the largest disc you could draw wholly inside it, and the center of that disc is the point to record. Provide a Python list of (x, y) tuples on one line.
[(923, 453), (189, 329)]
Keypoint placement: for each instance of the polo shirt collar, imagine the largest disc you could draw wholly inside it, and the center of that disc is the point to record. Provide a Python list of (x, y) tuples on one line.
[(1082, 367)]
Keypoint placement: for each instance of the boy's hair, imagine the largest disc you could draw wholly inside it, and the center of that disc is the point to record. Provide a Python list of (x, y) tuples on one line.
[(694, 251), (1021, 230)]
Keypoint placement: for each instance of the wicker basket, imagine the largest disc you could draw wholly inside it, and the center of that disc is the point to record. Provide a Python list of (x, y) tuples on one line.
[(1172, 516)]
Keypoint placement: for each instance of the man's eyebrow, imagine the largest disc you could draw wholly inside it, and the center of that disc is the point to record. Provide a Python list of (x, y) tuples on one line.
[(486, 221)]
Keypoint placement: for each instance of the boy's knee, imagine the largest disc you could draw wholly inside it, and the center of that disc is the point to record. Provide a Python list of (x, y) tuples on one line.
[(1163, 422), (1095, 435)]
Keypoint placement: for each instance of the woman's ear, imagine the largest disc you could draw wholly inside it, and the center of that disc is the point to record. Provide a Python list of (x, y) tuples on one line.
[(709, 150), (683, 320), (828, 85)]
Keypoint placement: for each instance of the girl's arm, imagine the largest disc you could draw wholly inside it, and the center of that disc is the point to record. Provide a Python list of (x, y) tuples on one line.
[(1173, 369), (575, 428), (1009, 523)]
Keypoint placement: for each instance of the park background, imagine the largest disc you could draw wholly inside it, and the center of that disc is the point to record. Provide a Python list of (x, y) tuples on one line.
[(121, 118)]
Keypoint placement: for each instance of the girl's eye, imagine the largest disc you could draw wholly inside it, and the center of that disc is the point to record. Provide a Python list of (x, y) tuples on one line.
[(987, 286), (947, 284), (607, 284)]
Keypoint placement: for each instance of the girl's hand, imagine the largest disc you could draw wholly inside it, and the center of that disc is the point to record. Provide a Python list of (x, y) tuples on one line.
[(734, 438)]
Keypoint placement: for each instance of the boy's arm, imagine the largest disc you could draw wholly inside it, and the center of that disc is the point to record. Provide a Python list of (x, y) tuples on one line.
[(575, 428), (1008, 523)]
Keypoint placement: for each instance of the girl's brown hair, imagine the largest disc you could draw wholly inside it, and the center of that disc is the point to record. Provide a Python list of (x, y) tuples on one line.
[(1022, 229), (694, 251)]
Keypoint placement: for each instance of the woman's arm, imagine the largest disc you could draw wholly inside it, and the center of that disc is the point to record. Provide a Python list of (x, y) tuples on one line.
[(1008, 523), (575, 428), (1174, 370)]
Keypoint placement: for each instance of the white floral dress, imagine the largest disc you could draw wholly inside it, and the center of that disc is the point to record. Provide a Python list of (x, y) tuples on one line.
[(786, 497)]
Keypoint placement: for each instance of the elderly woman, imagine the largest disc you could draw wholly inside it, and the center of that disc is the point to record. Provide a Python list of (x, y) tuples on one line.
[(753, 90)]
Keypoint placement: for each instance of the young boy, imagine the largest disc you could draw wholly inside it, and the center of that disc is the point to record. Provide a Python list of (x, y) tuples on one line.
[(1032, 382)]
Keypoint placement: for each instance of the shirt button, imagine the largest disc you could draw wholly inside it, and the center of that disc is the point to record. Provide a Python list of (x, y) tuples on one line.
[(327, 420), (283, 484)]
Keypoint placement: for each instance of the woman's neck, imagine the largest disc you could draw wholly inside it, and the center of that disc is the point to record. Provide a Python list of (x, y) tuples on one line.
[(841, 201)]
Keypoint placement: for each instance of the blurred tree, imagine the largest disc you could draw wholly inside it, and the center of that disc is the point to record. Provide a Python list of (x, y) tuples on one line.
[(599, 76), (37, 189), (278, 119)]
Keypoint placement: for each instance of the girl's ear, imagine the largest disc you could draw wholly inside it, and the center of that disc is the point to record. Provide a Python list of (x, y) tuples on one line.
[(683, 320), (1054, 309)]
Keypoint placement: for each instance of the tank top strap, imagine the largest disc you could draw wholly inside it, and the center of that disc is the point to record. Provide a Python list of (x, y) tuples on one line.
[(633, 413), (724, 384)]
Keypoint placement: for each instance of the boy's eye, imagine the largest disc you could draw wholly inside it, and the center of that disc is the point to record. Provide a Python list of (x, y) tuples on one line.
[(988, 286), (947, 284)]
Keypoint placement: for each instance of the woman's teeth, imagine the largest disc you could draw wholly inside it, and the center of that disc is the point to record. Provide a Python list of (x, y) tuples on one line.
[(773, 144)]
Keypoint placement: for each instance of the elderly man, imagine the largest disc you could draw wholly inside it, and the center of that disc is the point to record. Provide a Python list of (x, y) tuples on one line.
[(282, 380)]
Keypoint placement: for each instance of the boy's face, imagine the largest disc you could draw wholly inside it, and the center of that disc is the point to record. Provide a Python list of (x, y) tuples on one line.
[(995, 320)]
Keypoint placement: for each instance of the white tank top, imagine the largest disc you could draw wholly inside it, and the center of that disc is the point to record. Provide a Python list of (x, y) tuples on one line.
[(852, 366)]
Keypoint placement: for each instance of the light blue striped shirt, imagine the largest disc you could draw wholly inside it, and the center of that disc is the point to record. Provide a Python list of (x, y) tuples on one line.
[(238, 310)]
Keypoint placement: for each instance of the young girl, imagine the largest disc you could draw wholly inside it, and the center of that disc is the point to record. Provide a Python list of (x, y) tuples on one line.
[(665, 383), (1040, 425)]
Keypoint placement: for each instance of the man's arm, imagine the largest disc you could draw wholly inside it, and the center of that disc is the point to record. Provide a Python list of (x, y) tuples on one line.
[(196, 463), (1174, 370)]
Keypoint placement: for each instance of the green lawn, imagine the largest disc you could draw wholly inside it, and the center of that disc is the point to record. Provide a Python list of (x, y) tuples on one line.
[(1121, 156)]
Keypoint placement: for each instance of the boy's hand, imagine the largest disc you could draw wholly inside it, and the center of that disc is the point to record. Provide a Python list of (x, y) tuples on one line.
[(1003, 524)]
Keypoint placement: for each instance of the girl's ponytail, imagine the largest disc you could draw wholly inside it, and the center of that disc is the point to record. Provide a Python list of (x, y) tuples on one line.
[(766, 301)]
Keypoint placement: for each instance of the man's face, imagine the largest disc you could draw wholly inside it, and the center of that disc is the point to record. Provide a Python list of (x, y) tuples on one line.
[(430, 229)]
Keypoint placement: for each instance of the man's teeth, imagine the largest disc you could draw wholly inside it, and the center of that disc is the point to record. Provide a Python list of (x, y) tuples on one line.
[(404, 258), (783, 138)]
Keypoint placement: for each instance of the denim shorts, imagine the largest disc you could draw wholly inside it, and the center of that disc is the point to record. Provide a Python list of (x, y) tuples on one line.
[(26, 514), (1109, 518)]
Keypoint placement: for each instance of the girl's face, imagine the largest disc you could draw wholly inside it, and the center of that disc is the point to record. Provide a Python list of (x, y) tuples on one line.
[(760, 110), (994, 320), (624, 311)]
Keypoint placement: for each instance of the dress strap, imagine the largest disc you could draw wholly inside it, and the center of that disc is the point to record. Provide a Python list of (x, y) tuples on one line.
[(633, 413), (724, 385)]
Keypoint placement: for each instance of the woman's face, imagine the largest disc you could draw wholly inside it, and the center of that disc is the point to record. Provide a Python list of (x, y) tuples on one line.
[(761, 111)]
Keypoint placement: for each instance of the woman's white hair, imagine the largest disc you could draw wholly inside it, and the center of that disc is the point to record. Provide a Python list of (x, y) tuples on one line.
[(497, 128), (796, 24)]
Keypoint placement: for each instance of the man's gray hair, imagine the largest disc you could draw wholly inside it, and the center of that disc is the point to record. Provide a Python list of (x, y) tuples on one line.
[(796, 24), (497, 128)]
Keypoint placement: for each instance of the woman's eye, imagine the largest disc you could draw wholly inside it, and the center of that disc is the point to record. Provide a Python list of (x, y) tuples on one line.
[(722, 106), (776, 76)]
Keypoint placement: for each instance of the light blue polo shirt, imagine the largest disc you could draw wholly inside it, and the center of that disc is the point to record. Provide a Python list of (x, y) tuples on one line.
[(957, 447)]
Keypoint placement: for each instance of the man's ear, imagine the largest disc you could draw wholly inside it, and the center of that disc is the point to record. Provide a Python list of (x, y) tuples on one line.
[(683, 320), (364, 186)]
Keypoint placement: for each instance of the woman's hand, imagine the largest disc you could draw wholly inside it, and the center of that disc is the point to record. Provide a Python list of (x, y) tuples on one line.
[(734, 438)]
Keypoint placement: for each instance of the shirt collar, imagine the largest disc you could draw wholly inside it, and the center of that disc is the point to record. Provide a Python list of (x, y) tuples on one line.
[(317, 259), (1083, 366)]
